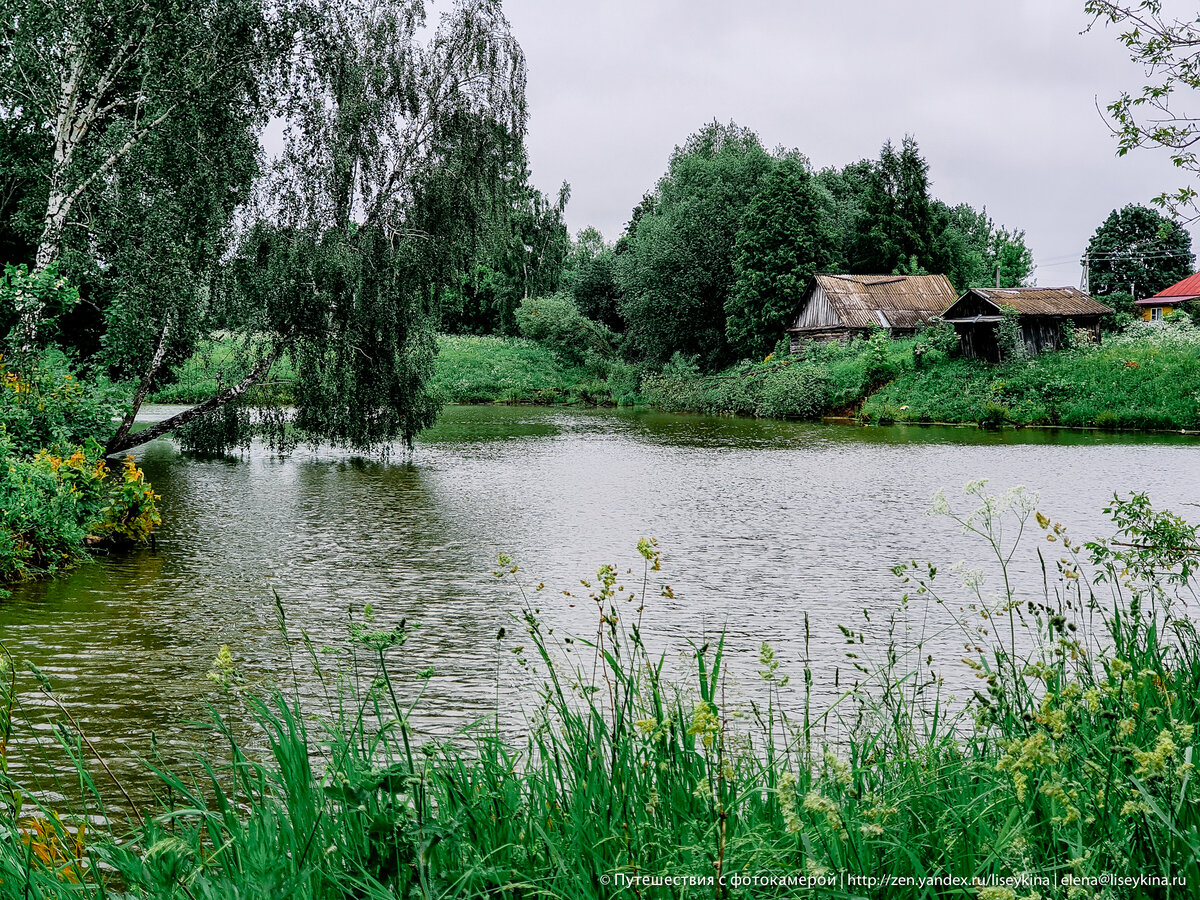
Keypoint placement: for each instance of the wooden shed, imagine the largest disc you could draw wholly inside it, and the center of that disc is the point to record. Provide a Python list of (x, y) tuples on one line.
[(838, 307), (1042, 314), (1164, 304)]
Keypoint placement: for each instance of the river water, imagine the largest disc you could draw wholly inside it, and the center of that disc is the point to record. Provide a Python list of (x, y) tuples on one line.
[(760, 523)]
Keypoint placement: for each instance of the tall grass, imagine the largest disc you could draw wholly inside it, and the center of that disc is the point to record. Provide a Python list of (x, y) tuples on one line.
[(1071, 759)]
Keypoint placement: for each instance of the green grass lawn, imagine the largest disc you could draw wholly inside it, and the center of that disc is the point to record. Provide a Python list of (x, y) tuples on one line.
[(489, 369), (469, 369)]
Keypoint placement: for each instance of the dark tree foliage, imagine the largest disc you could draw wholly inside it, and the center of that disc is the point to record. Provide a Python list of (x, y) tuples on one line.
[(968, 247), (845, 189), (677, 263), (22, 189), (592, 279), (99, 80), (785, 239), (894, 230), (1138, 250), (524, 256)]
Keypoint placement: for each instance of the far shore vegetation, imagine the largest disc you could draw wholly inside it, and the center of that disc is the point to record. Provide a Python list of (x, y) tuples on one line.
[(1143, 377)]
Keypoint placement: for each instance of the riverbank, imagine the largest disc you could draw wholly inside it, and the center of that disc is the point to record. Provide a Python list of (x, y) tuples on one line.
[(1146, 378), (1070, 763)]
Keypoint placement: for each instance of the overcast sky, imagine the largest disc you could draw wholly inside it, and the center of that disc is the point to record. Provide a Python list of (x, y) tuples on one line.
[(1000, 95)]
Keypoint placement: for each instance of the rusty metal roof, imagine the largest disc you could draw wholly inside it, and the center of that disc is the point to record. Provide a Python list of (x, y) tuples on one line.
[(895, 301), (1039, 301)]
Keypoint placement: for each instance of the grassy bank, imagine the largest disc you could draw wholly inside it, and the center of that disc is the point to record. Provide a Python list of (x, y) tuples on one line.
[(1145, 378), (1072, 760), (827, 378), (468, 369), (488, 369)]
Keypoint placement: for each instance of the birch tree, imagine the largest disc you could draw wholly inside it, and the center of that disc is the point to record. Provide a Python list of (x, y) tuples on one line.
[(98, 77), (399, 133)]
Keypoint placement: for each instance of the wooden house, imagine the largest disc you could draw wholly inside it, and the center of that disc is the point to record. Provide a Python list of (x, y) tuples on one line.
[(839, 307), (1042, 314), (1164, 304)]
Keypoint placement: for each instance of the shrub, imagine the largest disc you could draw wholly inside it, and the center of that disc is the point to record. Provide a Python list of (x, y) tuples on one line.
[(1008, 335), (556, 323), (56, 505), (623, 380), (44, 403), (795, 392)]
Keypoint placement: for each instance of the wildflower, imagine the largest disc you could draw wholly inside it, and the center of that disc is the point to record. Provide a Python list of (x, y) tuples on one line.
[(1055, 791), (646, 726), (652, 802), (815, 801), (871, 829), (1118, 668), (223, 671), (837, 769), (939, 505), (1125, 727), (1021, 756)]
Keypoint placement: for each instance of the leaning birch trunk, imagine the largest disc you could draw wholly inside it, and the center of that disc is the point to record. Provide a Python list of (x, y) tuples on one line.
[(124, 440)]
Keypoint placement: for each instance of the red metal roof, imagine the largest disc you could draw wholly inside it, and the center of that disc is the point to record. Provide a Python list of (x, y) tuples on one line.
[(1188, 289)]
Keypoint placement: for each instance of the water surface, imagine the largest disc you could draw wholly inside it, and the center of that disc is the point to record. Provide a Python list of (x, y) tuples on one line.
[(760, 524)]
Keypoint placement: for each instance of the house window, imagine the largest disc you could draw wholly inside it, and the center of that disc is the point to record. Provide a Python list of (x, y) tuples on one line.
[(1156, 314)]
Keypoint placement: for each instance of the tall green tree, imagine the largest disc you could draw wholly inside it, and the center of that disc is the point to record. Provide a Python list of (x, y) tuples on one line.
[(894, 228), (785, 238), (398, 149), (970, 249), (591, 277), (1138, 250), (677, 258), (524, 255)]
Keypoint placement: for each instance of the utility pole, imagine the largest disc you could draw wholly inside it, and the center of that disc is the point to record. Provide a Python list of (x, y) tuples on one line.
[(997, 274), (1083, 282)]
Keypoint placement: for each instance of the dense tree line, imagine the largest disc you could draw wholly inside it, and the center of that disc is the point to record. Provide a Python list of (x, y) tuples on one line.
[(716, 257)]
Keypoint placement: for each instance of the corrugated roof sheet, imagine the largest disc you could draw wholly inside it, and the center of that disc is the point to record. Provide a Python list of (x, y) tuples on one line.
[(1188, 289), (1038, 301), (903, 301)]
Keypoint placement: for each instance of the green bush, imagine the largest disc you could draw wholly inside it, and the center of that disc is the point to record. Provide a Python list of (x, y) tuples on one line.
[(55, 506), (556, 323), (44, 403), (795, 392)]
